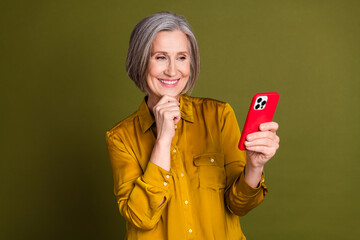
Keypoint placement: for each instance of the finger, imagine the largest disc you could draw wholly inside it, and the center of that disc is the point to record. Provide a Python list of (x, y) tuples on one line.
[(269, 126), (167, 117), (165, 99), (267, 151), (262, 142), (259, 135), (177, 119), (171, 115), (164, 107), (161, 111), (167, 104)]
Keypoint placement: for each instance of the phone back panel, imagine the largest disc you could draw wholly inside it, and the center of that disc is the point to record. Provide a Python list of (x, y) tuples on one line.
[(262, 109)]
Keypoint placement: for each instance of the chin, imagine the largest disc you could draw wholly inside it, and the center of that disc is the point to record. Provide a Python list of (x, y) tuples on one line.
[(174, 95)]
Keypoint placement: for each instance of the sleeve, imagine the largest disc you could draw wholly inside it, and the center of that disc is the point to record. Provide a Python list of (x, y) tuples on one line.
[(138, 194), (240, 197)]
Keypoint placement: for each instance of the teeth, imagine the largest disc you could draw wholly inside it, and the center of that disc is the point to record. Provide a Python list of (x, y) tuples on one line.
[(168, 82)]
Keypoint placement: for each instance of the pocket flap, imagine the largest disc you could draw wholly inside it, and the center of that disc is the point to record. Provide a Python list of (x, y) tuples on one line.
[(209, 159)]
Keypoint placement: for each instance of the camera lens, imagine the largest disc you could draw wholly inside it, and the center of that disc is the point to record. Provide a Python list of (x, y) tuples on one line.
[(257, 106), (263, 103), (259, 100)]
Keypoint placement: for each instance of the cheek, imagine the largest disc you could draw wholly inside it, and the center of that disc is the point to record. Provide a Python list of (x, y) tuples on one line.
[(185, 69), (154, 69), (151, 71)]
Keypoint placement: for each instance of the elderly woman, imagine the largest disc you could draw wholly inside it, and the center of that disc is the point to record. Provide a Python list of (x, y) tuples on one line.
[(178, 172)]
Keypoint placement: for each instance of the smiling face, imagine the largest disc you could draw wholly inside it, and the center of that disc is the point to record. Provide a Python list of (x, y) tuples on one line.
[(169, 65)]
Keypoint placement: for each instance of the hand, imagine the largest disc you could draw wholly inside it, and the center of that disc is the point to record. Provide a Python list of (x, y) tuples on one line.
[(261, 146), (167, 114)]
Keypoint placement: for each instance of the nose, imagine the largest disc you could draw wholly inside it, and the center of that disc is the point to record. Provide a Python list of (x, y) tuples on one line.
[(171, 69)]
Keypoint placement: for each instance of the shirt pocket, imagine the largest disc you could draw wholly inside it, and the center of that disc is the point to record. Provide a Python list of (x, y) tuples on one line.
[(211, 170)]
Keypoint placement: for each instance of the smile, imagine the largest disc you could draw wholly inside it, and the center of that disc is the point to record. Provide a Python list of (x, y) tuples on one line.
[(170, 82)]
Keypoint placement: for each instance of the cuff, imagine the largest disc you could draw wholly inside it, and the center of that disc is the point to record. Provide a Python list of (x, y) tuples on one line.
[(157, 176), (246, 189)]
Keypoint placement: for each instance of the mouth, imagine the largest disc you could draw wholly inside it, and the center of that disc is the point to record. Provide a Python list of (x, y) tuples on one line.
[(169, 81)]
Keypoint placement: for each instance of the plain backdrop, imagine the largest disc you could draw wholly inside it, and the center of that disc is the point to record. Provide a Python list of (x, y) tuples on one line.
[(63, 84)]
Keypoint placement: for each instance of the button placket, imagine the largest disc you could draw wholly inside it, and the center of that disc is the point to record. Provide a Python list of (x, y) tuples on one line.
[(179, 172)]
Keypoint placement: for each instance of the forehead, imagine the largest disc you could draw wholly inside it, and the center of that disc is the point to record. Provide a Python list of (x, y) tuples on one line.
[(170, 41)]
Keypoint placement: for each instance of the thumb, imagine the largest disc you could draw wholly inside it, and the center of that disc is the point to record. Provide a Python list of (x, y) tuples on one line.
[(177, 119)]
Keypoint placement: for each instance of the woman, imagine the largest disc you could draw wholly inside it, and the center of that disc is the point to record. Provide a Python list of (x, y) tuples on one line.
[(178, 173)]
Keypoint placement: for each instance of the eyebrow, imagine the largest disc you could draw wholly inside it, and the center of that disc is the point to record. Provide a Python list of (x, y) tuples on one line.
[(182, 52)]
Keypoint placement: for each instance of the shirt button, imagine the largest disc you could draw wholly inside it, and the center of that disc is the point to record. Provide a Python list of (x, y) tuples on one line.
[(190, 230), (186, 202), (165, 183), (212, 160), (175, 126), (182, 174), (167, 176), (174, 150), (263, 180)]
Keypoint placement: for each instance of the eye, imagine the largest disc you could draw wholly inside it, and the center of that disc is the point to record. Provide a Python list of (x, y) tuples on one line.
[(182, 58), (160, 58)]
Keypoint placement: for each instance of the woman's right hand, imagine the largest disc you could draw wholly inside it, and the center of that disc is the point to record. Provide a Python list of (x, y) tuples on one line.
[(167, 114)]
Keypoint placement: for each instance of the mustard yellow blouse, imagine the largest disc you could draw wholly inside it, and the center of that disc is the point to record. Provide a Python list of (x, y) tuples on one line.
[(205, 189)]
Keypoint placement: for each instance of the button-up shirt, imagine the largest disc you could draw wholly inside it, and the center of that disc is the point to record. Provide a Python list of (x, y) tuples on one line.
[(204, 191)]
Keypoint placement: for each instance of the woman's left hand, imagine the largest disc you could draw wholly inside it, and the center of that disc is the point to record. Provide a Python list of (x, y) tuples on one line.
[(261, 146)]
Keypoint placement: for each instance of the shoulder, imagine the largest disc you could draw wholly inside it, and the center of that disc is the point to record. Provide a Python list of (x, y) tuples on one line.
[(124, 125), (201, 101), (209, 104), (208, 110)]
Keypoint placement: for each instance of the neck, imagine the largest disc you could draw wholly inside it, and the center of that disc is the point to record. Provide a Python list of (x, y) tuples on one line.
[(152, 101)]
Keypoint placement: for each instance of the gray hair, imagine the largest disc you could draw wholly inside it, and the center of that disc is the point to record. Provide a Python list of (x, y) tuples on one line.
[(140, 47)]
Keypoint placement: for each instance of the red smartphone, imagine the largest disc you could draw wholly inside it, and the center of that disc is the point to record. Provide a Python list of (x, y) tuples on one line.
[(262, 109)]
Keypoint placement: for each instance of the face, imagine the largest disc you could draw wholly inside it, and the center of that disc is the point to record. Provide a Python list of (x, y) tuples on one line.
[(169, 65)]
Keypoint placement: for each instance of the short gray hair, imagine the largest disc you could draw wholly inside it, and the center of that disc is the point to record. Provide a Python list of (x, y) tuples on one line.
[(140, 47)]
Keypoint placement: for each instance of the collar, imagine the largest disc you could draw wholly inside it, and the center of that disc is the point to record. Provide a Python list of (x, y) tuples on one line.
[(146, 119)]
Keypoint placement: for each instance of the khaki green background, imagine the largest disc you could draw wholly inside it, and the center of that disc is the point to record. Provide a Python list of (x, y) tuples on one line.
[(63, 84)]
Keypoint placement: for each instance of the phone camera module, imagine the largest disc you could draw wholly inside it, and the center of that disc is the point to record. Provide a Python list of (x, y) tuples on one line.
[(260, 102)]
